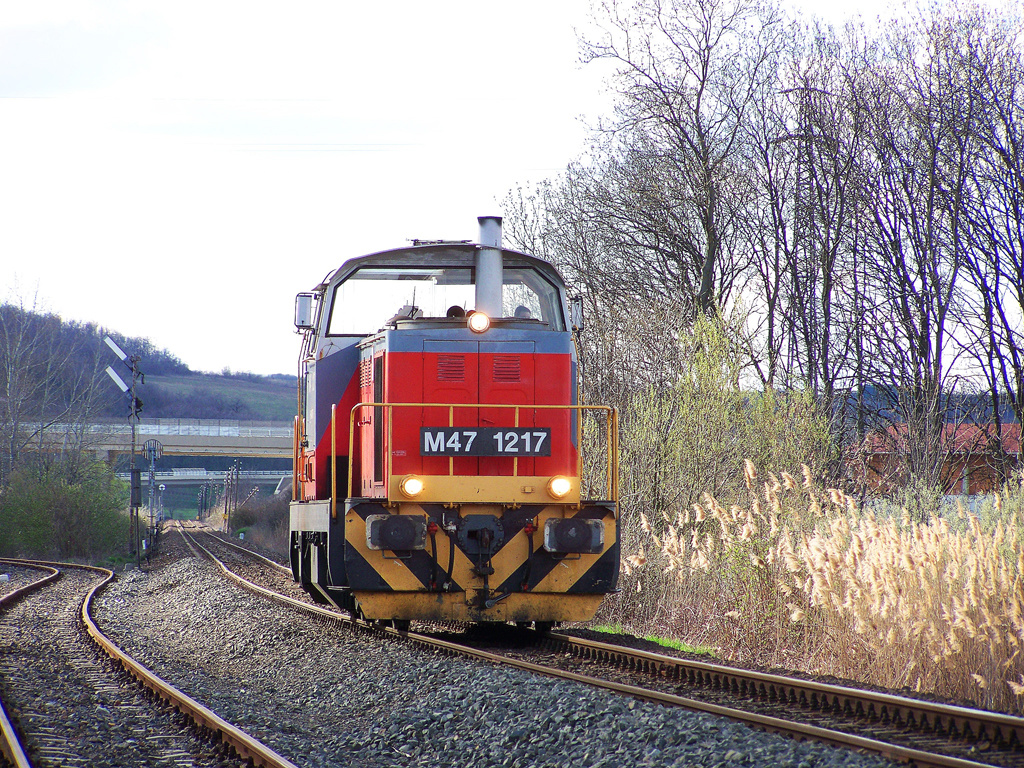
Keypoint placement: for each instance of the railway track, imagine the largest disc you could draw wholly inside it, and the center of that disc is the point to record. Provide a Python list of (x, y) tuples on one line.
[(903, 729), (69, 698), (25, 581), (915, 726)]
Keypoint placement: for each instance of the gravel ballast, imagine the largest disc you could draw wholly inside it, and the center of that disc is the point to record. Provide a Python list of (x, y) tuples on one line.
[(13, 577), (72, 705), (323, 695)]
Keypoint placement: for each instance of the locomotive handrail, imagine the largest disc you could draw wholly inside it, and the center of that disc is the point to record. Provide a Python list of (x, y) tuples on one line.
[(611, 435), (296, 458), (334, 462)]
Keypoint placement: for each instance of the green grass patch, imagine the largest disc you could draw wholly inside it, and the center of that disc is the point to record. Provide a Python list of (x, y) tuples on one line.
[(666, 642), (679, 645)]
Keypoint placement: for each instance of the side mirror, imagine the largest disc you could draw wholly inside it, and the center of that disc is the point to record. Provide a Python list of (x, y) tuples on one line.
[(304, 311), (576, 312)]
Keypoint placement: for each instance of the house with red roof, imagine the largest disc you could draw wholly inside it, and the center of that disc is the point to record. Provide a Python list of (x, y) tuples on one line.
[(972, 458)]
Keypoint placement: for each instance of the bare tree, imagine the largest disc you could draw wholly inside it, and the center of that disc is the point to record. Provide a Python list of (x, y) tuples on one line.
[(995, 216), (923, 110), (46, 393), (685, 76), (859, 195), (805, 136)]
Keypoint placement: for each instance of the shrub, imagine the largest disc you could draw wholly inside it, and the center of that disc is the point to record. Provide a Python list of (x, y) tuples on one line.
[(265, 521), (681, 443), (42, 514)]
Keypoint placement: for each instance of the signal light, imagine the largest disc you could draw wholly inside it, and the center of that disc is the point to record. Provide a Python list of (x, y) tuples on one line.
[(479, 322), (411, 486), (559, 486)]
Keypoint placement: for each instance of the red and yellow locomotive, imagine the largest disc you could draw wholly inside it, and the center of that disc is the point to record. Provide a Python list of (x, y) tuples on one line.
[(438, 442)]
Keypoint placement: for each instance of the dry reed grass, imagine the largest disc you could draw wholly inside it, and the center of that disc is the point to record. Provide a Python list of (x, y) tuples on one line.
[(802, 577)]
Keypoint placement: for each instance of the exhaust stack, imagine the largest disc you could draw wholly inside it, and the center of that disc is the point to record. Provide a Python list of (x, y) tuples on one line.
[(489, 276)]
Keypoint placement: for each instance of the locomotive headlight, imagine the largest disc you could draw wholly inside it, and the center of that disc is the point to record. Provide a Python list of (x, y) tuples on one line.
[(559, 486), (411, 486), (479, 322)]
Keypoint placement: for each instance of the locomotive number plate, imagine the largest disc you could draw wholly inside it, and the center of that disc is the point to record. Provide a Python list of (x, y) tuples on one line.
[(485, 441)]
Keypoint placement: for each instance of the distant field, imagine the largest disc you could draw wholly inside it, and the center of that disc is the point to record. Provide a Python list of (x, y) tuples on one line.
[(216, 396)]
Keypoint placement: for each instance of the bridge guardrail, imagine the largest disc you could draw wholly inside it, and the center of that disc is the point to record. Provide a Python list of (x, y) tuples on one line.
[(180, 427), (209, 437), (196, 427), (206, 474)]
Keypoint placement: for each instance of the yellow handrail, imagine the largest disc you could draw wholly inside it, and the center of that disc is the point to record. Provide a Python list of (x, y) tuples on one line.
[(295, 459), (334, 463), (612, 435)]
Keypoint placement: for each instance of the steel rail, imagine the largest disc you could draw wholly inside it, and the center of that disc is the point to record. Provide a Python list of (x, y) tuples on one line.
[(919, 758), (244, 745), (916, 757), (17, 594), (291, 602), (257, 555), (995, 725), (10, 745)]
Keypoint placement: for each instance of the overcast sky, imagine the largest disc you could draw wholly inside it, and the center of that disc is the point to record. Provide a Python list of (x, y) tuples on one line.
[(179, 171)]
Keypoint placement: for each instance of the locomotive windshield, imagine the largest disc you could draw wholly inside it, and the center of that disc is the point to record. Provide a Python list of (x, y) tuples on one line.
[(371, 296)]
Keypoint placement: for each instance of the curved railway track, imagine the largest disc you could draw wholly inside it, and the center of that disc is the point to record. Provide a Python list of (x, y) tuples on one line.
[(73, 706), (11, 749), (913, 731)]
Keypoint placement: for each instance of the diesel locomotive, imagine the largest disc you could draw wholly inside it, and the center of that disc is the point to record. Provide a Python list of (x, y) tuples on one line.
[(439, 462)]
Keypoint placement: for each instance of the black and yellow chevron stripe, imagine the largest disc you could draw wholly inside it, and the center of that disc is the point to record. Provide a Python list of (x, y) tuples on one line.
[(443, 582)]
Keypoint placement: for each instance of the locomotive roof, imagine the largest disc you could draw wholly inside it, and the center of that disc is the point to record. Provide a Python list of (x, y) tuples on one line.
[(438, 255)]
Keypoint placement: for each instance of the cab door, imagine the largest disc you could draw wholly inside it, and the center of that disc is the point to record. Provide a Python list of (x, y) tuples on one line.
[(507, 375), (450, 375)]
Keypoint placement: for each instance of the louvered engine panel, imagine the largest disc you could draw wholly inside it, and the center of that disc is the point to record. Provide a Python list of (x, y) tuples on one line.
[(507, 368), (451, 367)]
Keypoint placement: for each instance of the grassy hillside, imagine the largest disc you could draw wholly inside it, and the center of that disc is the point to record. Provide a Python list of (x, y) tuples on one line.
[(213, 396), (45, 348)]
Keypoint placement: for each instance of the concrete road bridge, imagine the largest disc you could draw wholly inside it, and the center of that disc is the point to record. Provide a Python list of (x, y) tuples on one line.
[(179, 437), (198, 476)]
